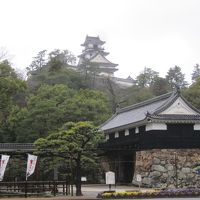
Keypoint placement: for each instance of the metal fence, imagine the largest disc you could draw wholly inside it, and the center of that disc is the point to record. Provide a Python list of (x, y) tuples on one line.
[(35, 188)]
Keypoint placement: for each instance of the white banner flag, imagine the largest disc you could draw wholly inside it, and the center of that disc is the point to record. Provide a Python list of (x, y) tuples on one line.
[(31, 163), (3, 164)]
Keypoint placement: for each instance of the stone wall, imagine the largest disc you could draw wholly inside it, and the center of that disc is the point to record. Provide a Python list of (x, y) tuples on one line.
[(168, 168)]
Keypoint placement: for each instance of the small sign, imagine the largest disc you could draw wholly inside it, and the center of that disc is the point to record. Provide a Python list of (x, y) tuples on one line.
[(138, 178), (83, 179), (110, 178)]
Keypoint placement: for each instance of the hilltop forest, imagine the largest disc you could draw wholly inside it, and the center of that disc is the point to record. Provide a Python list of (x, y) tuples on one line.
[(55, 95)]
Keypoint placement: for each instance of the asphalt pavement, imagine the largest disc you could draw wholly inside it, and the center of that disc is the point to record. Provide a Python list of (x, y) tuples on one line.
[(93, 190)]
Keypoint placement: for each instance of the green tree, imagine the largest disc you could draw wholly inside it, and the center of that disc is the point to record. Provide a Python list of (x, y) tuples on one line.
[(64, 76), (138, 94), (52, 106), (57, 59), (196, 72), (88, 105), (65, 57), (176, 77), (160, 86), (147, 77), (113, 94), (44, 113), (6, 71), (10, 89), (54, 69), (38, 62), (192, 94), (76, 142)]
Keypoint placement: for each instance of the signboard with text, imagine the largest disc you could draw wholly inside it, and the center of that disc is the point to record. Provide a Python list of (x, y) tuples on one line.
[(110, 178), (83, 179), (138, 178)]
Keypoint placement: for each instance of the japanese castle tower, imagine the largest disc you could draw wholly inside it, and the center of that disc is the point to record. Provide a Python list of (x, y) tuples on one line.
[(93, 58)]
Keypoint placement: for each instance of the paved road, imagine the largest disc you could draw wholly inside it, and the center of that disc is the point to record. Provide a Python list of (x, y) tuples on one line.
[(93, 190)]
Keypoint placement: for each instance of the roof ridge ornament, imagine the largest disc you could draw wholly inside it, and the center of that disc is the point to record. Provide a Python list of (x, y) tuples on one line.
[(148, 114)]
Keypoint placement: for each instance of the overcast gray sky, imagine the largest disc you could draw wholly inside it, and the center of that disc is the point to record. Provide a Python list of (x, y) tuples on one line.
[(154, 33)]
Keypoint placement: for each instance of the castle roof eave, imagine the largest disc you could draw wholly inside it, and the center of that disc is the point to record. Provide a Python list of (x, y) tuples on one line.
[(85, 53), (93, 40), (150, 110), (133, 114), (108, 70), (125, 126), (110, 65), (99, 53)]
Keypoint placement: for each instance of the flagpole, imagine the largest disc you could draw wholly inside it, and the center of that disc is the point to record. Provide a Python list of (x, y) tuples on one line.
[(25, 186), (26, 167), (25, 189)]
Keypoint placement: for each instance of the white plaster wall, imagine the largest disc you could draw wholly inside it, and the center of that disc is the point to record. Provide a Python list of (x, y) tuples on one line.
[(179, 107), (156, 126)]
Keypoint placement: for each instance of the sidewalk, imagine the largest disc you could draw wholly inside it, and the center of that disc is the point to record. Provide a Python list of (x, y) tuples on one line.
[(89, 192), (52, 198)]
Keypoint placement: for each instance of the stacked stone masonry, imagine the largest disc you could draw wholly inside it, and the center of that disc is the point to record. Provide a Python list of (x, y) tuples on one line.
[(168, 167)]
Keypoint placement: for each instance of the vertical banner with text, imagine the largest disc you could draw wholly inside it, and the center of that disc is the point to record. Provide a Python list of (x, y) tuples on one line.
[(31, 163), (3, 164)]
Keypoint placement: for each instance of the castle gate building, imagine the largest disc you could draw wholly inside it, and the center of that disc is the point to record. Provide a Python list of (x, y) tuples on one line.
[(158, 139)]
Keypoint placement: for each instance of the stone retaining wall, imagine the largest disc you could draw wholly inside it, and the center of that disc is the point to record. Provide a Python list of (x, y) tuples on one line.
[(168, 168)]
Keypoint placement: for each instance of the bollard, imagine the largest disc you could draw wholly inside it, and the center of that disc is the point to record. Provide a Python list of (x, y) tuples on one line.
[(72, 190)]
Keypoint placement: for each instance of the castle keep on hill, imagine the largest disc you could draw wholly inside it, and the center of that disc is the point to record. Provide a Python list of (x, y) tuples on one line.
[(93, 59)]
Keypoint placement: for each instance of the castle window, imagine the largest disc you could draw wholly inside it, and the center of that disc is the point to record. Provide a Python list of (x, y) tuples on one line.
[(116, 134), (107, 137), (126, 132)]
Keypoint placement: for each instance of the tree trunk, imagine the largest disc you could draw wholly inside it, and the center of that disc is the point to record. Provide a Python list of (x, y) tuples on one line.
[(78, 177)]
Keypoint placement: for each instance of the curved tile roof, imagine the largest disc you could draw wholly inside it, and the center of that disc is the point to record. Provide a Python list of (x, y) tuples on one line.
[(93, 40), (151, 109), (134, 113)]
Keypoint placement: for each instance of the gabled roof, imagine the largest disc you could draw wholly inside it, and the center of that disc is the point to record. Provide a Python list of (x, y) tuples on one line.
[(92, 40), (102, 59), (159, 108), (177, 98)]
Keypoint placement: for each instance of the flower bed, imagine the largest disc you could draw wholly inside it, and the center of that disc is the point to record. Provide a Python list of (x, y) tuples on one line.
[(189, 192)]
